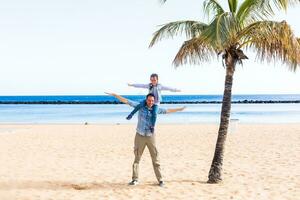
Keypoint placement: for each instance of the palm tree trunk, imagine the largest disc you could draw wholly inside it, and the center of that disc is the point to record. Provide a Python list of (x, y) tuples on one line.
[(216, 166)]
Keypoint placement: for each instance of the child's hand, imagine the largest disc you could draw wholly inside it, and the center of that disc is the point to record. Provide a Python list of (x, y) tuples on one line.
[(175, 90)]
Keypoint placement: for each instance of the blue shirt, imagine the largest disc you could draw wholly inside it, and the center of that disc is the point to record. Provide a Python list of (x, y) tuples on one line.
[(144, 118)]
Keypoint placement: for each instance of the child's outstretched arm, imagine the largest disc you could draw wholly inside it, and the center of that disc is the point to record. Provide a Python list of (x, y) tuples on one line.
[(146, 86), (169, 89)]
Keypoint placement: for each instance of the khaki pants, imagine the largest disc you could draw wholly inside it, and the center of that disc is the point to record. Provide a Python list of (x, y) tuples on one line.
[(140, 142)]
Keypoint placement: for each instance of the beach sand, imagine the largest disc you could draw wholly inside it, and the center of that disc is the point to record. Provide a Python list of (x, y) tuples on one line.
[(63, 162)]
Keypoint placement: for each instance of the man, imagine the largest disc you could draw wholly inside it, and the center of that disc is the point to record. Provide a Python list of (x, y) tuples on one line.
[(155, 88), (144, 136)]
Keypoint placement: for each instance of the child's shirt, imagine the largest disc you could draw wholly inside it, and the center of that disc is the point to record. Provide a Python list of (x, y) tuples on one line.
[(155, 90)]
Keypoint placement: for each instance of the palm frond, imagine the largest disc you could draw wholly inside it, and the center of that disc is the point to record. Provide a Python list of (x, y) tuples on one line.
[(221, 32), (250, 11), (253, 10), (194, 51), (283, 4), (212, 7), (273, 41), (189, 28), (232, 5)]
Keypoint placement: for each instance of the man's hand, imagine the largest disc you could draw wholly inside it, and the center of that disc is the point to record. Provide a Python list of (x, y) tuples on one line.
[(122, 99), (171, 110), (111, 94), (182, 108)]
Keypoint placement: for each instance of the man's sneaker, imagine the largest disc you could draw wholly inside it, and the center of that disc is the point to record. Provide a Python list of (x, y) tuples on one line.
[(152, 129), (133, 182), (161, 183)]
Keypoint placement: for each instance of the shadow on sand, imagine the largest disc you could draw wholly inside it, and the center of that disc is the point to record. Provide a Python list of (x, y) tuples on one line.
[(64, 185)]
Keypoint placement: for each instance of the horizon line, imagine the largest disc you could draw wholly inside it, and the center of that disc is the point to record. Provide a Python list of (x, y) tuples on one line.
[(144, 94)]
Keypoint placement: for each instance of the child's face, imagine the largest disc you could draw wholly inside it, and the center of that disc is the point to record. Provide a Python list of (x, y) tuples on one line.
[(153, 80)]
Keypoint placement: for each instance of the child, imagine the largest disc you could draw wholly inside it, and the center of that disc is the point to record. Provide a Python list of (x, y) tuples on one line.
[(155, 88)]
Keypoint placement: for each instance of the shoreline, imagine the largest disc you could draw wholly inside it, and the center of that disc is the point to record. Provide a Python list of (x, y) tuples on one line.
[(164, 102), (134, 124)]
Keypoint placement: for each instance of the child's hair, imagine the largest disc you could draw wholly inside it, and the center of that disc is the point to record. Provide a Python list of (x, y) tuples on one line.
[(150, 95), (154, 75)]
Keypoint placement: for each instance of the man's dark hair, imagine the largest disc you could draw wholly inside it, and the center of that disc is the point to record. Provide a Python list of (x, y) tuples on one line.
[(150, 95), (154, 75)]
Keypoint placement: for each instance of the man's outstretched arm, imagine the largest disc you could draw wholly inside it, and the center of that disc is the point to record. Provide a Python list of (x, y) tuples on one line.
[(172, 110), (122, 99)]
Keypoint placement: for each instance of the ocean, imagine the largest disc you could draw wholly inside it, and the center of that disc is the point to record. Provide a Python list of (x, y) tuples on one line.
[(166, 98), (82, 109)]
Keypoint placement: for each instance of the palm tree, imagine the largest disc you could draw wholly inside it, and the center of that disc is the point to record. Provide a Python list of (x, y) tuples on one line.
[(245, 26)]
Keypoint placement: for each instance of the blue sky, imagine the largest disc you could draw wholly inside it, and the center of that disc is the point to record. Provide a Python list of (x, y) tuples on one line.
[(64, 47)]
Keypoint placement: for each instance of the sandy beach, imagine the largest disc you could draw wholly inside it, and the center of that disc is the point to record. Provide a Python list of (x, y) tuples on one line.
[(94, 162)]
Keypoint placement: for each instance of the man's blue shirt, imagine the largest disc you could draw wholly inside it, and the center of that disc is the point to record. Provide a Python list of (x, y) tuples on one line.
[(144, 118)]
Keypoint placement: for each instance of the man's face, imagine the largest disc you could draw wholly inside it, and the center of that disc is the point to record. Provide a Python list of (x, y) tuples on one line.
[(153, 80), (150, 101)]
